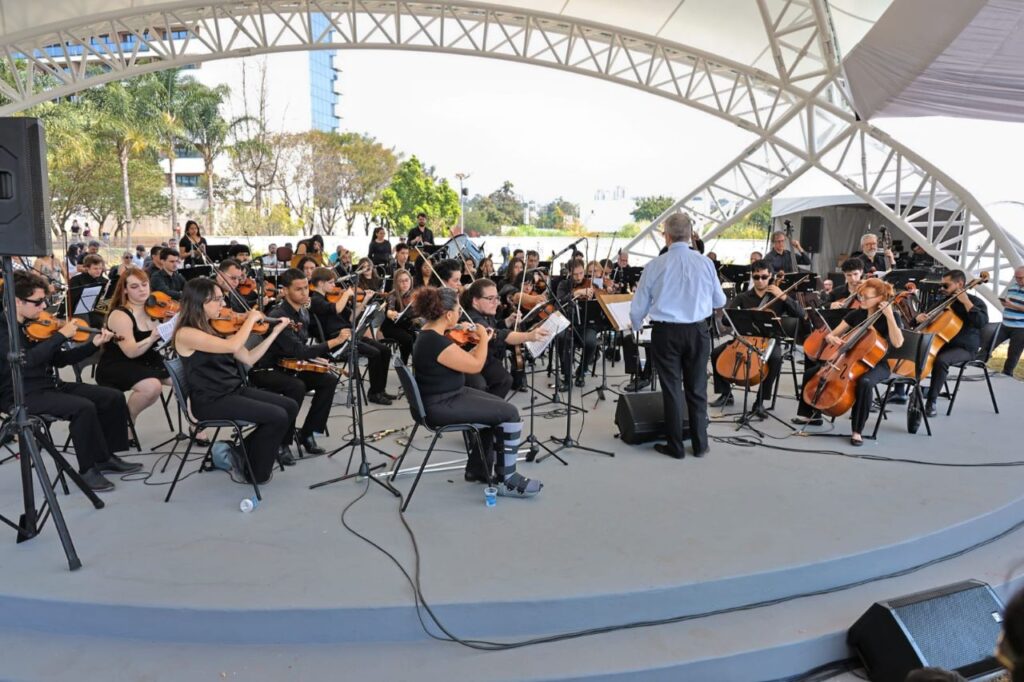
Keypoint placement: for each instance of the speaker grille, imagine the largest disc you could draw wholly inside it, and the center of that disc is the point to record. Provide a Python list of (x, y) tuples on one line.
[(953, 630)]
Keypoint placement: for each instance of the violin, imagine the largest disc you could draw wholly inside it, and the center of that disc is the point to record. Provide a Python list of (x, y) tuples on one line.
[(463, 337), (315, 366), (161, 306), (247, 286), (229, 322), (47, 324)]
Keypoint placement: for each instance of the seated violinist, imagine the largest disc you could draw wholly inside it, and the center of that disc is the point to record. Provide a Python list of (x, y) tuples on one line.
[(399, 324), (98, 415), (230, 276), (842, 296), (874, 295), (973, 312), (574, 290), (782, 305), (292, 343), (332, 317), (214, 361)]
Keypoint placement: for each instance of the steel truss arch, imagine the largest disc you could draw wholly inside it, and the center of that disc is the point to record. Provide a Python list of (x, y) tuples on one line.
[(801, 115)]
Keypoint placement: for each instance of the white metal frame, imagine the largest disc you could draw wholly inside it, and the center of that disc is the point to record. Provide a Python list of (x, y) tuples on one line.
[(801, 115)]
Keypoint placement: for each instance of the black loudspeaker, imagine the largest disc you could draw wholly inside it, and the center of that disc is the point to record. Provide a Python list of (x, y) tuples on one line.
[(953, 627), (24, 189), (641, 417), (810, 233)]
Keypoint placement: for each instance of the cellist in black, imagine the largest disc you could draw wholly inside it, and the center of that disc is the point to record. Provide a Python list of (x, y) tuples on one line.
[(764, 290)]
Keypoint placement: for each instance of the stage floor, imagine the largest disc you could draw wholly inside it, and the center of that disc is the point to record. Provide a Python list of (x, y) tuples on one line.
[(609, 540)]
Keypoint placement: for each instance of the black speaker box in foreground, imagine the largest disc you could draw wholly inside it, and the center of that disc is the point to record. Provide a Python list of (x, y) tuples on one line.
[(641, 417), (953, 627), (24, 189)]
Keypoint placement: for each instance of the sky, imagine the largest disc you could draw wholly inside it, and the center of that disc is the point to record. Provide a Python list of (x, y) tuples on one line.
[(557, 134)]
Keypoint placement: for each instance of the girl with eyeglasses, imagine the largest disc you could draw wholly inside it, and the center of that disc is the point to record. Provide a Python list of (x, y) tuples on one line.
[(218, 391)]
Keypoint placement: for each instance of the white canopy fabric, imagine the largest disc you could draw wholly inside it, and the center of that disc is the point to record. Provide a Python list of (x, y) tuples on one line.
[(942, 58)]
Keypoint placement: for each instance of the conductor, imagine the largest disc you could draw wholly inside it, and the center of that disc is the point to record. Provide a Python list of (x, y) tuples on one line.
[(680, 290)]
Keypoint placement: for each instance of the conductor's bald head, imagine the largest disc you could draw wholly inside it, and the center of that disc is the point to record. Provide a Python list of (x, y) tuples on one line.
[(678, 228)]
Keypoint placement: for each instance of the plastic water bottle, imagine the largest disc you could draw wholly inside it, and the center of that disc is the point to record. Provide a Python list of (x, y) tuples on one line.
[(248, 504), (491, 496)]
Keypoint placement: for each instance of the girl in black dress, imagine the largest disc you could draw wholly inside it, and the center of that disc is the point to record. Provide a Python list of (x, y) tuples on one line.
[(380, 248), (424, 274), (398, 327), (215, 376), (441, 367), (133, 363), (191, 244)]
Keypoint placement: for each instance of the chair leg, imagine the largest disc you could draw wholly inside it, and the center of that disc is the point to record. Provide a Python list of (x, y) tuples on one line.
[(956, 390), (881, 409), (181, 465), (419, 474), (401, 458), (489, 464), (134, 434), (165, 401), (248, 464), (991, 393), (924, 408)]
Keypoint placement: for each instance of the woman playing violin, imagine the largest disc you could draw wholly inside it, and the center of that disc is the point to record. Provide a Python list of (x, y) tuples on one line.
[(97, 415), (396, 326), (133, 363), (486, 269), (424, 274), (873, 295), (218, 387), (192, 245)]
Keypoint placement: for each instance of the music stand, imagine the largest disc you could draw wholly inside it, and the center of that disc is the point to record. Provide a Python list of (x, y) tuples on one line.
[(600, 314), (215, 253), (195, 271), (762, 324)]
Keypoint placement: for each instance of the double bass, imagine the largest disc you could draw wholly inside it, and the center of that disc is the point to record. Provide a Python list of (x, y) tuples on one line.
[(741, 360)]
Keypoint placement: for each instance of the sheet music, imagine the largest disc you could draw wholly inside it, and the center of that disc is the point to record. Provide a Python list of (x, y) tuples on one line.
[(87, 302), (619, 311), (166, 329), (554, 325)]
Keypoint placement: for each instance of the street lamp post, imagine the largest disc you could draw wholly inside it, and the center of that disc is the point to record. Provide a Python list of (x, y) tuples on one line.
[(462, 202)]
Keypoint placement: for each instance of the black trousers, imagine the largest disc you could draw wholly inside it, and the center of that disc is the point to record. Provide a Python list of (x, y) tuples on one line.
[(681, 361), (1013, 353), (765, 388), (496, 379), (295, 386), (274, 416), (378, 358), (631, 358), (864, 392), (471, 406), (401, 335), (97, 416), (589, 345), (940, 368)]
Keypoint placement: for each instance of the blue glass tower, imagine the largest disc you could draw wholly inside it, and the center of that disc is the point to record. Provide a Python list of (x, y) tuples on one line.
[(321, 83)]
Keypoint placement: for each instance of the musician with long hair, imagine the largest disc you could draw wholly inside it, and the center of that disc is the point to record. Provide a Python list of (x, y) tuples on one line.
[(380, 248), (397, 326), (191, 244), (216, 378), (312, 247), (133, 363), (97, 415), (873, 295), (441, 367), (424, 276)]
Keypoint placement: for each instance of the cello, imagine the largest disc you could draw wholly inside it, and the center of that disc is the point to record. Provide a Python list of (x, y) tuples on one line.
[(741, 361), (944, 324)]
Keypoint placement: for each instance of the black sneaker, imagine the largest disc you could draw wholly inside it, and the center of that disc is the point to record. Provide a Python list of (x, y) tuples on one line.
[(117, 465), (931, 410), (722, 400), (378, 399), (96, 481)]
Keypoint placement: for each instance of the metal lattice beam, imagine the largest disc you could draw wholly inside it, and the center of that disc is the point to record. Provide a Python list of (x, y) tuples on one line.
[(801, 115)]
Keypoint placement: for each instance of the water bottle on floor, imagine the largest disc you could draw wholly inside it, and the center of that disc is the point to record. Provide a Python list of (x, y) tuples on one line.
[(248, 504)]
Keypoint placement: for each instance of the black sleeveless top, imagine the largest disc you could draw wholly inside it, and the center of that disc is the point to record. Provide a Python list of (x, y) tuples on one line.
[(112, 352), (212, 376), (432, 377)]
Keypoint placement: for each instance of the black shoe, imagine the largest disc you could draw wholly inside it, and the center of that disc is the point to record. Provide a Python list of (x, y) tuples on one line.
[(562, 386), (475, 476), (664, 449), (758, 412), (118, 466), (378, 399), (856, 442), (309, 444), (640, 385), (807, 421), (388, 395), (580, 382), (702, 452), (521, 389), (722, 400), (931, 410), (96, 481), (285, 457)]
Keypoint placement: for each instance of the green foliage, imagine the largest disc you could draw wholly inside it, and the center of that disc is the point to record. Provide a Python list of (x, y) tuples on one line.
[(413, 190), (755, 225), (629, 230), (559, 215), (487, 215), (243, 220), (649, 208), (367, 170)]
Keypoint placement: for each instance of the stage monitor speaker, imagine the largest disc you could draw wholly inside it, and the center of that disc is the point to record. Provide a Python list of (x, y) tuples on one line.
[(24, 188), (810, 233), (640, 417), (953, 627)]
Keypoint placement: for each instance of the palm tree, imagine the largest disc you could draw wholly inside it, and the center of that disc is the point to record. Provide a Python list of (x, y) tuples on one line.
[(208, 132), (126, 118), (172, 94)]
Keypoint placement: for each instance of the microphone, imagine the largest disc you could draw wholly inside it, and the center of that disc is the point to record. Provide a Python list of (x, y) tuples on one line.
[(568, 248)]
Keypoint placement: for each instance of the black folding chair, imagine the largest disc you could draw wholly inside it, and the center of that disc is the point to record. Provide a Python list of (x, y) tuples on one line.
[(914, 352), (419, 418), (989, 334), (179, 382)]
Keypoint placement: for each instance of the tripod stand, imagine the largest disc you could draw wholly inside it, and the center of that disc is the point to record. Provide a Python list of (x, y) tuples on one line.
[(567, 442), (358, 438), (31, 434)]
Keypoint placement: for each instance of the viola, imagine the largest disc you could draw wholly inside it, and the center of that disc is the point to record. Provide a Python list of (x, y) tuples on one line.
[(315, 366), (229, 322), (47, 324), (161, 306)]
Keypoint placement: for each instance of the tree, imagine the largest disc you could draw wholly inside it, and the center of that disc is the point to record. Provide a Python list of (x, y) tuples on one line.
[(294, 181), (103, 198), (253, 154), (414, 189), (208, 133), (367, 168), (327, 166), (559, 215), (71, 155), (649, 208), (172, 95)]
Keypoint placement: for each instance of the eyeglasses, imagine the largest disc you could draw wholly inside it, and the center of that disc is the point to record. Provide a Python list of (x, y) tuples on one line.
[(216, 299), (760, 277), (35, 301), (862, 297), (489, 298)]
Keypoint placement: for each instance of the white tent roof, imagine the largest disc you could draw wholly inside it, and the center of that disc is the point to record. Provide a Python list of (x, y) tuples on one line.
[(942, 57)]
